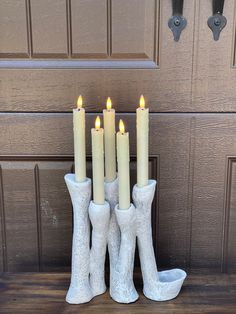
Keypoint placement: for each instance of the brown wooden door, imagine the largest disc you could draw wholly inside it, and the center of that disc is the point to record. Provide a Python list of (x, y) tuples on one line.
[(51, 51)]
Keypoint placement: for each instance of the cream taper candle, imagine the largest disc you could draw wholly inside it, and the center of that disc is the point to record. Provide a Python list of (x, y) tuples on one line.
[(79, 141), (109, 142), (98, 163), (123, 167), (142, 126)]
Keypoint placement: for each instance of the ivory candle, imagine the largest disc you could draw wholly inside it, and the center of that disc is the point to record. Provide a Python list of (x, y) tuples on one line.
[(109, 142), (98, 163), (79, 141), (123, 167), (142, 125)]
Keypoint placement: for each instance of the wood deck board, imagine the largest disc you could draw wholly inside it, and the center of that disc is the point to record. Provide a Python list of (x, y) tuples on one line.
[(45, 293)]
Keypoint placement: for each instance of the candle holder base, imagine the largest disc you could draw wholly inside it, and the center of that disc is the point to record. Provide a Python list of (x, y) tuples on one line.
[(122, 288), (79, 294), (80, 193), (111, 195), (119, 229), (157, 286), (100, 219), (168, 285)]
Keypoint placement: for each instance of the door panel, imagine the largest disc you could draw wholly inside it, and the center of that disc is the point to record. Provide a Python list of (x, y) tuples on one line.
[(13, 29), (55, 215), (48, 28), (87, 39), (193, 210), (214, 72), (214, 144), (46, 199), (136, 37), (21, 247), (52, 51)]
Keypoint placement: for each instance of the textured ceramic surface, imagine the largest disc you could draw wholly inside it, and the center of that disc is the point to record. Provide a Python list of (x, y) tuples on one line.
[(160, 286), (100, 219), (122, 288), (117, 228), (111, 195), (87, 269), (80, 193)]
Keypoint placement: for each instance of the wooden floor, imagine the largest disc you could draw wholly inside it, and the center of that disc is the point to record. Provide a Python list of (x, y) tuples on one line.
[(45, 293)]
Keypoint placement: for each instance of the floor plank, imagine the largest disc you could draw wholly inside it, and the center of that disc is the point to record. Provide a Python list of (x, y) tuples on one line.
[(45, 293)]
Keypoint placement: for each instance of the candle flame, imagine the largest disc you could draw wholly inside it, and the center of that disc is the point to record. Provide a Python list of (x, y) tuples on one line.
[(109, 103), (79, 102), (121, 126), (97, 123), (142, 102)]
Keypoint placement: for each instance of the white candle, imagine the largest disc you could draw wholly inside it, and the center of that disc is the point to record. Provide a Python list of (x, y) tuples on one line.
[(79, 141), (109, 142), (123, 167), (98, 163), (142, 125)]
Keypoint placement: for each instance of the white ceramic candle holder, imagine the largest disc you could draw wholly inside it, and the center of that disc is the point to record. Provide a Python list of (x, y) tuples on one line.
[(80, 193), (111, 195), (100, 219), (119, 229), (122, 288), (160, 286), (87, 270)]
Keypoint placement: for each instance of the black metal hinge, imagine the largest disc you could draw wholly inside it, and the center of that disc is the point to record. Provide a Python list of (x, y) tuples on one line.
[(177, 22), (217, 21)]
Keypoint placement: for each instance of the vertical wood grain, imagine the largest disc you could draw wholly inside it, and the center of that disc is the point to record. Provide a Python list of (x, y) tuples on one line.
[(192, 139), (20, 216), (170, 138), (3, 246), (213, 73), (89, 28), (229, 249), (49, 28), (38, 215), (56, 215), (133, 28), (29, 27), (13, 29), (215, 139)]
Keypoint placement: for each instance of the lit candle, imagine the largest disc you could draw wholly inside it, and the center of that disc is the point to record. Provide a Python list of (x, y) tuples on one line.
[(98, 163), (109, 142), (79, 141), (142, 125), (123, 167)]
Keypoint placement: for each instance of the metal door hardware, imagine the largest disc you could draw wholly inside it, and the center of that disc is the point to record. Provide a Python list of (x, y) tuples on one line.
[(177, 22), (217, 21)]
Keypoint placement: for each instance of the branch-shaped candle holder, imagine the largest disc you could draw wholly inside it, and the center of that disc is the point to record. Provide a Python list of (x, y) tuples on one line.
[(157, 286), (121, 247), (87, 271), (100, 219), (122, 288), (111, 195), (80, 193), (119, 229)]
